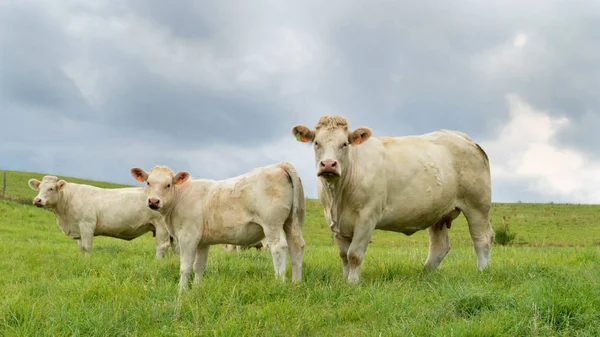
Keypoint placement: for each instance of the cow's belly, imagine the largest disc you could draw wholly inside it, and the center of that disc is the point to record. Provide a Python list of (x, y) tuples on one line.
[(410, 223), (240, 234), (127, 233)]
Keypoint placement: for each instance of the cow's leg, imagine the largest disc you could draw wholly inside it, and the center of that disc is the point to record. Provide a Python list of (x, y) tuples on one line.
[(173, 243), (86, 232), (356, 251), (162, 241), (200, 263), (439, 245), (187, 254), (482, 235), (296, 247), (278, 243), (343, 245)]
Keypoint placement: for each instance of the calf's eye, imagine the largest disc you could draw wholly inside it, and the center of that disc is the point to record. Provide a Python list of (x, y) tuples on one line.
[(169, 186), (147, 183)]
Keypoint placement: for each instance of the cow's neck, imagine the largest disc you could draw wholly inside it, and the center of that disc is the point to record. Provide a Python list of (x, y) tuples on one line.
[(61, 209), (337, 188), (168, 210)]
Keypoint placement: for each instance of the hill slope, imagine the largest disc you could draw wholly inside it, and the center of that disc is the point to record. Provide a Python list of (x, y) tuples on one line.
[(535, 224)]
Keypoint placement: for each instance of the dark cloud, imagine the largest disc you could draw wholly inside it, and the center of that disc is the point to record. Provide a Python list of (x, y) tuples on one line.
[(92, 89)]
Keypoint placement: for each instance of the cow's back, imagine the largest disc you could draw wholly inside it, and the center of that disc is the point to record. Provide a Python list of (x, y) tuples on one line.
[(427, 175), (233, 208)]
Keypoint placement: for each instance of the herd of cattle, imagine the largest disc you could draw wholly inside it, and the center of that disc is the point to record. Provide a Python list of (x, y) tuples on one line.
[(401, 184)]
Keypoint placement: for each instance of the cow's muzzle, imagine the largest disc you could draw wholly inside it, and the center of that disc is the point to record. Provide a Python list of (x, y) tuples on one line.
[(154, 203), (38, 202), (328, 169)]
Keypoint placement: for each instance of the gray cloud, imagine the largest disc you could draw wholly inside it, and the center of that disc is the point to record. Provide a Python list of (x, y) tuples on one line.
[(93, 88)]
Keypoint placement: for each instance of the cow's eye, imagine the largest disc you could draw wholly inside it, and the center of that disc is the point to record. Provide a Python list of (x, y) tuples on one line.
[(51, 189), (345, 144), (169, 186), (316, 144), (147, 183)]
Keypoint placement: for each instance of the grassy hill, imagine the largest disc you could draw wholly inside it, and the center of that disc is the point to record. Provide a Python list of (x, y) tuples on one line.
[(17, 188), (545, 284)]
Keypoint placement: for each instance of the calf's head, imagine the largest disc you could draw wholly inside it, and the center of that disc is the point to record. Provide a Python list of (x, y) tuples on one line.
[(160, 183), (49, 189), (332, 142)]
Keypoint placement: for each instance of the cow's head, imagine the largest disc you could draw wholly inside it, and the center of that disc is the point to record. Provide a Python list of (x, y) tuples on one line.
[(332, 141), (49, 189), (161, 183)]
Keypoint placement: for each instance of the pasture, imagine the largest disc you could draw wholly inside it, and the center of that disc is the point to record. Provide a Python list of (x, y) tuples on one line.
[(546, 284)]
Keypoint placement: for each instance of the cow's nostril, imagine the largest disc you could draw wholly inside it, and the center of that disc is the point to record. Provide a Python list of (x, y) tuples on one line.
[(334, 164)]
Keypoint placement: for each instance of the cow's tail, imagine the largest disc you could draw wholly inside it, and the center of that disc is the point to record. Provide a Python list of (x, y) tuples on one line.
[(298, 203)]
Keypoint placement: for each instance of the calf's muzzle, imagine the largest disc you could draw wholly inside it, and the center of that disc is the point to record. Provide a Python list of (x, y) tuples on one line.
[(154, 203)]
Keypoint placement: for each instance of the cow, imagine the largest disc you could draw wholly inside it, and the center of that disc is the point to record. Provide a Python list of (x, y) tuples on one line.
[(84, 211), (267, 202), (400, 184)]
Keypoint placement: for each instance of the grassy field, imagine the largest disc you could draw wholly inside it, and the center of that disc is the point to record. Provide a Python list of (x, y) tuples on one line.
[(546, 284)]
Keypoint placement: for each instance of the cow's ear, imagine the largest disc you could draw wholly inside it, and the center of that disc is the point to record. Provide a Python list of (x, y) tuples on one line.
[(181, 177), (34, 184), (303, 134), (60, 184), (359, 135), (139, 174)]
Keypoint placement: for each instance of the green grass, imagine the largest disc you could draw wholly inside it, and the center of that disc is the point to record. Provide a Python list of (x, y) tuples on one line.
[(546, 284)]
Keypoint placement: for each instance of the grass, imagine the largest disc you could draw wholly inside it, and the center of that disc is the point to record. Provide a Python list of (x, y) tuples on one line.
[(547, 284)]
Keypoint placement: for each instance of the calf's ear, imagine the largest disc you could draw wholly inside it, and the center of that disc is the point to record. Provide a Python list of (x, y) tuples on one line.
[(359, 135), (181, 177), (60, 184), (34, 184), (139, 174), (303, 134)]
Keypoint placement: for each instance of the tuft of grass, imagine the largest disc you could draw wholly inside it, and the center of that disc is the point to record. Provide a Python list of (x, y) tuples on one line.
[(503, 236)]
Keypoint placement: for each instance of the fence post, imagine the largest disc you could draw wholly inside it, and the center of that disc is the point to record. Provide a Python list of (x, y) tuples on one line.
[(4, 186)]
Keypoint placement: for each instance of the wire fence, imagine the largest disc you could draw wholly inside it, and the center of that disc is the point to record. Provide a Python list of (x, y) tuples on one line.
[(14, 189)]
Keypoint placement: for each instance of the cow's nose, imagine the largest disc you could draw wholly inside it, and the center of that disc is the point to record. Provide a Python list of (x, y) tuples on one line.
[(153, 201), (327, 165), (37, 200)]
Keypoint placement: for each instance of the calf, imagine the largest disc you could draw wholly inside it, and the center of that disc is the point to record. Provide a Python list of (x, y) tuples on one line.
[(84, 211), (267, 202)]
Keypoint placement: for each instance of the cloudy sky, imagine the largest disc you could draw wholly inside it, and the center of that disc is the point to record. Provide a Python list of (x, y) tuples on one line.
[(93, 88)]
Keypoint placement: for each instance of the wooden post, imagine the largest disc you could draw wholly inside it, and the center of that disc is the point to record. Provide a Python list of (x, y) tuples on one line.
[(4, 186)]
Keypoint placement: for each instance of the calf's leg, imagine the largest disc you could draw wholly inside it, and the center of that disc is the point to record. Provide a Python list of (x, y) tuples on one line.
[(200, 262), (162, 241), (296, 247), (188, 246), (276, 240), (86, 232)]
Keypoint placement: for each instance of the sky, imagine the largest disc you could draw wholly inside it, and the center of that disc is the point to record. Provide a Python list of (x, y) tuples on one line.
[(93, 88)]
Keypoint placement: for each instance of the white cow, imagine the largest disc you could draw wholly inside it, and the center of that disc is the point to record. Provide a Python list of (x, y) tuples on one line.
[(84, 211), (400, 184), (267, 202)]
